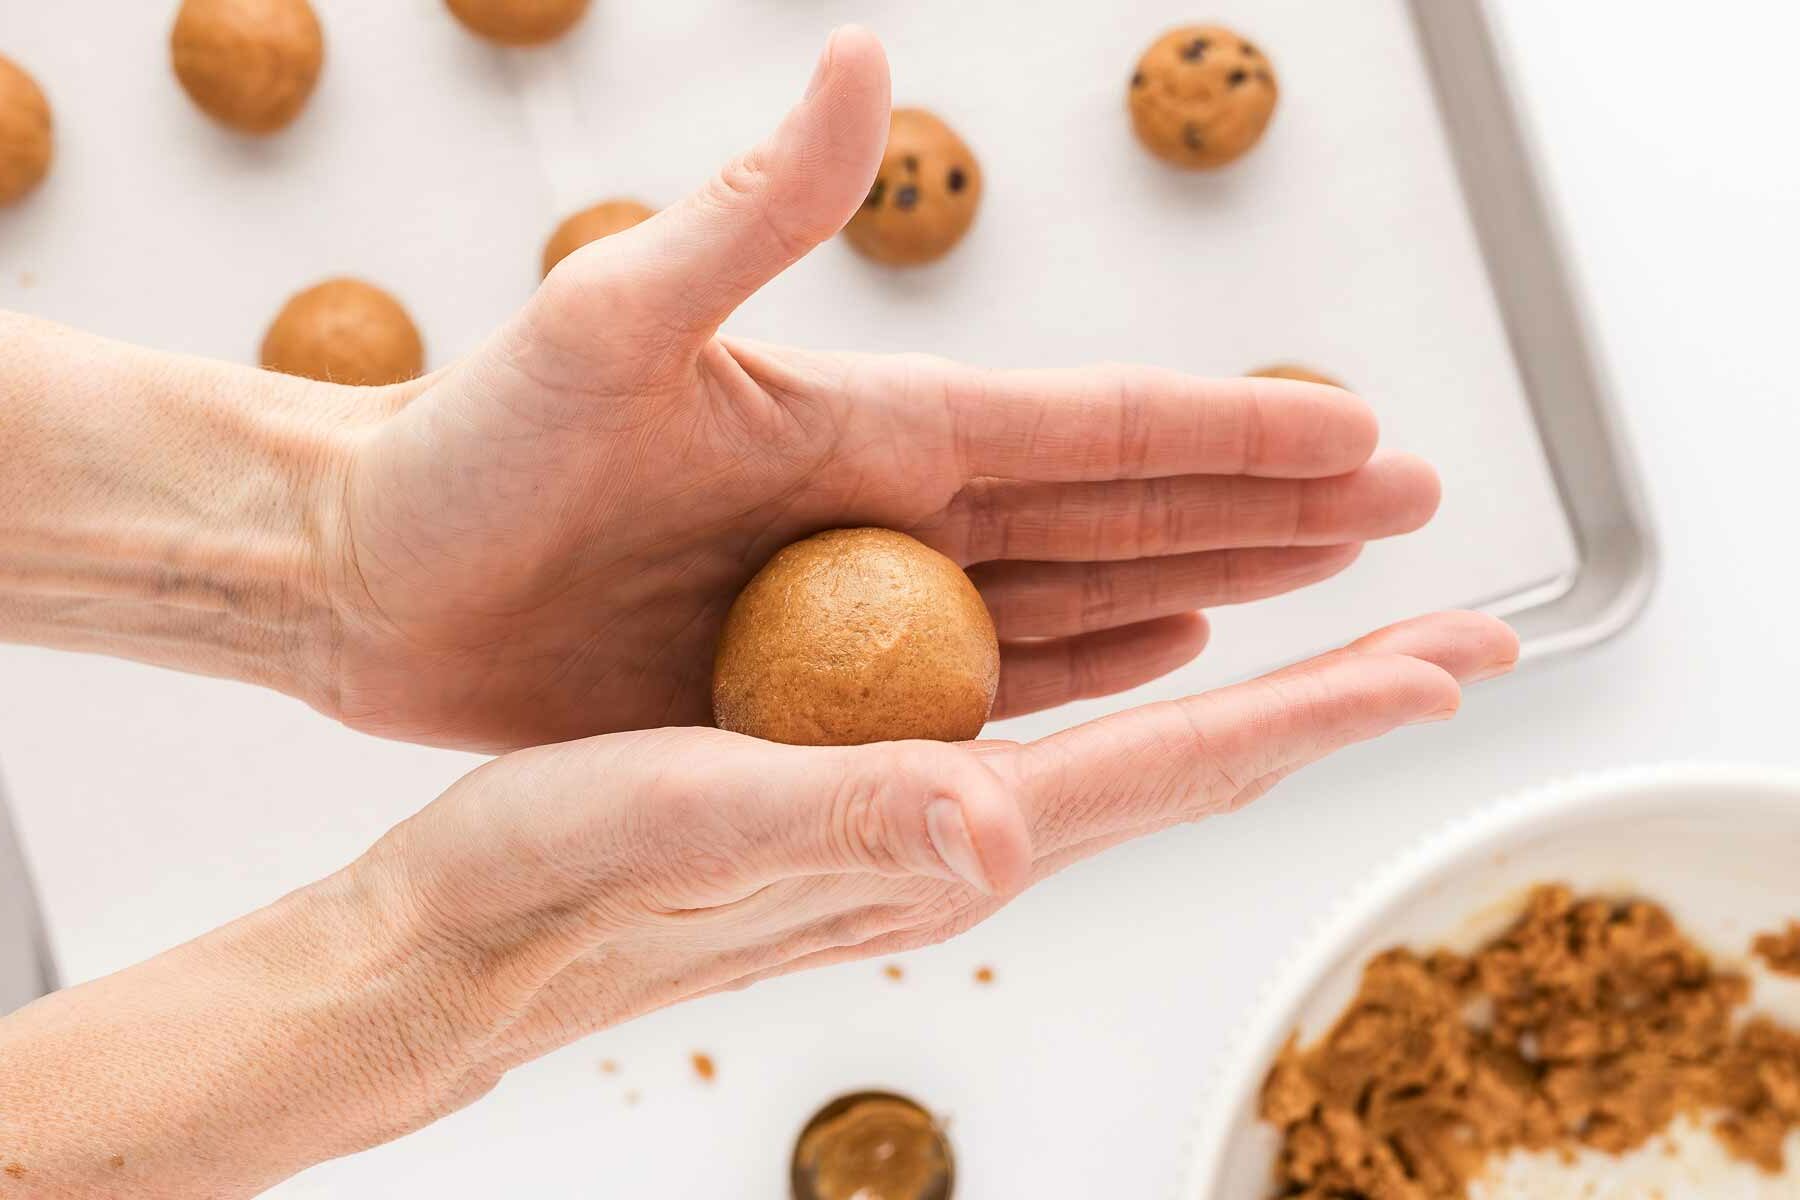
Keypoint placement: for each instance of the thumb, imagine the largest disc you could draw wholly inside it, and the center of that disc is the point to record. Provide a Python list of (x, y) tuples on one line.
[(698, 260)]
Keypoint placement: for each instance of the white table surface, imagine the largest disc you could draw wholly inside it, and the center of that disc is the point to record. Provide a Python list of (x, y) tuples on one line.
[(1670, 145)]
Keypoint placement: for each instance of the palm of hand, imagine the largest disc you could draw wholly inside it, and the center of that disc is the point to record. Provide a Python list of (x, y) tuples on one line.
[(621, 874), (581, 584), (541, 542)]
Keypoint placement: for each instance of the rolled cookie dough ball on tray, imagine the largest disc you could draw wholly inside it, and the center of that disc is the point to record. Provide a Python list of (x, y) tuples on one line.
[(26, 144), (1201, 96), (344, 331), (518, 22), (924, 197), (248, 64)]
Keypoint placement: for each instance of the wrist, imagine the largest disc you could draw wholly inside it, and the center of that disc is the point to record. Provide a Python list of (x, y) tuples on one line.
[(168, 509), (301, 1033)]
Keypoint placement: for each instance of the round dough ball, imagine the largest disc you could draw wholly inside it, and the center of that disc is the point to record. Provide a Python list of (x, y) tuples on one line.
[(519, 22), (925, 194), (249, 64), (344, 331), (590, 225), (26, 145), (854, 636), (1201, 96), (1291, 371)]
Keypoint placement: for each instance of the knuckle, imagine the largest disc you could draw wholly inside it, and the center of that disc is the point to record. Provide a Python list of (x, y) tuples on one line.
[(985, 520), (742, 180), (1099, 596), (746, 185), (860, 826)]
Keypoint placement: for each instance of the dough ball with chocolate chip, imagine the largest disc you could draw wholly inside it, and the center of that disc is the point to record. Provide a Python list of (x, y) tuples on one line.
[(1201, 96), (590, 225), (249, 64), (25, 141), (519, 22), (344, 331), (1293, 371), (925, 195)]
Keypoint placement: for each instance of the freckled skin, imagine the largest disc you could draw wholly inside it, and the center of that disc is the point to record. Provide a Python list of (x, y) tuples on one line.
[(925, 195), (1202, 96)]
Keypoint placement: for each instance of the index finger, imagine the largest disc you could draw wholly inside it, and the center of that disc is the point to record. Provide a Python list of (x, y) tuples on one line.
[(1115, 422)]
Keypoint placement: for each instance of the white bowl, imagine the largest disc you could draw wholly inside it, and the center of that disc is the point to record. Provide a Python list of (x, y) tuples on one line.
[(1719, 846)]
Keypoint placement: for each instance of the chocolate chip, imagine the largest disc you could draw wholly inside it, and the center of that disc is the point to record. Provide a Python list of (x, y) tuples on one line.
[(1190, 137), (1138, 80), (1248, 49), (1194, 49), (1262, 73), (875, 194), (957, 180), (911, 163), (906, 198), (1238, 78)]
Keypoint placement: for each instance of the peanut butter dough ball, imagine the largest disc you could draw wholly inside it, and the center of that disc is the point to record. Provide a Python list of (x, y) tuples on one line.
[(590, 225), (853, 636), (519, 22), (249, 64), (344, 331), (1291, 371), (1201, 96), (25, 139), (924, 197)]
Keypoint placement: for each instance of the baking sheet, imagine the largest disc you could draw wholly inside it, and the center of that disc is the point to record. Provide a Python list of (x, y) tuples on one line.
[(1341, 242)]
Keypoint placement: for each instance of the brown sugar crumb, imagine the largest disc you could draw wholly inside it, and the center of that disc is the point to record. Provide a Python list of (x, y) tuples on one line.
[(1599, 1023), (984, 974), (704, 1067), (632, 1097), (1780, 952), (893, 972), (15, 1170), (608, 1067), (116, 1162)]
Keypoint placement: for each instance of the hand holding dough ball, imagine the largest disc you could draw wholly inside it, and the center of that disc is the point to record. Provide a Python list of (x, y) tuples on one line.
[(344, 331), (590, 225), (925, 194), (25, 139), (1201, 96), (1291, 371), (518, 22), (249, 64), (854, 636)]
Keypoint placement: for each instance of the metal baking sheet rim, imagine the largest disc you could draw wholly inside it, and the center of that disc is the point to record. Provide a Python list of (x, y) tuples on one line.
[(1572, 403), (1546, 321)]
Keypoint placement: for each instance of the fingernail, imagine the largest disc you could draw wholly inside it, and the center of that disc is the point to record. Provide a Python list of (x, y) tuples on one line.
[(950, 838), (1442, 714), (823, 69), (1493, 671)]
